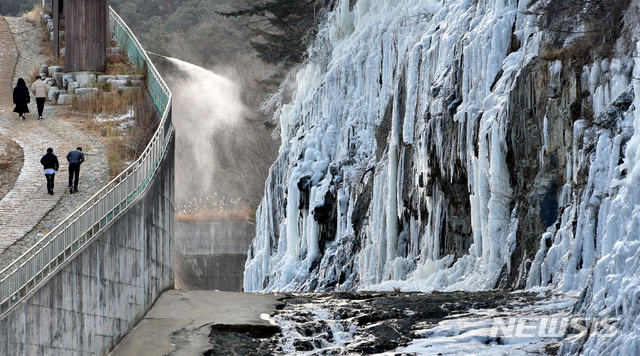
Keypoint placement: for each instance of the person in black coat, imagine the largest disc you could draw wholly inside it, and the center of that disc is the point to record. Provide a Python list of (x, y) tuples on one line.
[(50, 163), (75, 159), (21, 98)]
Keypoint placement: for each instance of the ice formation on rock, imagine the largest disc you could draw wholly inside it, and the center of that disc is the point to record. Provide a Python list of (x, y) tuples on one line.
[(429, 147)]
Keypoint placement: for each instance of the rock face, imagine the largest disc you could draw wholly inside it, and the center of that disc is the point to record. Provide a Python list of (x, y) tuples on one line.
[(455, 146)]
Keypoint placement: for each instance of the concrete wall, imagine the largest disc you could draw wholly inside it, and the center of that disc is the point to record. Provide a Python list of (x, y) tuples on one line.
[(216, 253), (96, 298)]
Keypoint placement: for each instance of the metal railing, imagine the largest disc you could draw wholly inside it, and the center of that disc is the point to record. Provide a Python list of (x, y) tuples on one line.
[(61, 244)]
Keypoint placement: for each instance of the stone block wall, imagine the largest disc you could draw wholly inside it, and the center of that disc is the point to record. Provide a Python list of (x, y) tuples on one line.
[(84, 86)]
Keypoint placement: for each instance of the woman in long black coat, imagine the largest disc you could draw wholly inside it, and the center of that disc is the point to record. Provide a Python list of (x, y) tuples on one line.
[(21, 98)]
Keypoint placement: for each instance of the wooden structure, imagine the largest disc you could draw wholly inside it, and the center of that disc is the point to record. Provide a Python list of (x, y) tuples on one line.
[(57, 9), (86, 34)]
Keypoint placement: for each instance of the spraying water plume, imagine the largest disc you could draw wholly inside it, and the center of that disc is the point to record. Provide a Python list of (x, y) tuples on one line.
[(205, 104)]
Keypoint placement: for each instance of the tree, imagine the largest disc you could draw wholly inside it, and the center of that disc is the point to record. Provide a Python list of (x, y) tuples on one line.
[(282, 29), (599, 20), (16, 7)]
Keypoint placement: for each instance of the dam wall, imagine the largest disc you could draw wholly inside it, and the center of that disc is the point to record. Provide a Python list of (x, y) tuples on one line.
[(213, 254)]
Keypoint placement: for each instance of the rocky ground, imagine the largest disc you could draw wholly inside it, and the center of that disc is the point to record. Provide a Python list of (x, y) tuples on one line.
[(184, 322), (390, 324)]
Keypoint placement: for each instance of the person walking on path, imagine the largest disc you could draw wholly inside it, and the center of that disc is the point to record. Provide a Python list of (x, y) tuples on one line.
[(40, 89), (75, 159), (50, 163), (21, 98)]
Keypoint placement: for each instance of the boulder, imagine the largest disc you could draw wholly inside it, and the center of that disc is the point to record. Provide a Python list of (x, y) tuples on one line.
[(57, 76), (116, 83), (130, 77), (55, 69), (71, 87), (105, 78), (65, 99), (54, 93), (86, 94), (66, 79), (86, 79)]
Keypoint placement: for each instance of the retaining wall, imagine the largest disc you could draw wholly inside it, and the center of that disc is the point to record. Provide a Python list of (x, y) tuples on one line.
[(216, 253), (89, 305)]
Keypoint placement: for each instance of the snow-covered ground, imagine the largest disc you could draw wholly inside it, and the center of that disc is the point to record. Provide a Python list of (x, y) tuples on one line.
[(525, 331)]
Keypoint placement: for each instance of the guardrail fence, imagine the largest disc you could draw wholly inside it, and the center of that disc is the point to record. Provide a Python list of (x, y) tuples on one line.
[(59, 246)]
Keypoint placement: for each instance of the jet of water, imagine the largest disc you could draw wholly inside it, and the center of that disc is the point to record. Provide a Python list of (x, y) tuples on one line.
[(204, 104)]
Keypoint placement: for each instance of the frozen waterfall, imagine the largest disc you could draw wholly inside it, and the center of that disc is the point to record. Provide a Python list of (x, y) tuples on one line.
[(399, 151), (386, 64)]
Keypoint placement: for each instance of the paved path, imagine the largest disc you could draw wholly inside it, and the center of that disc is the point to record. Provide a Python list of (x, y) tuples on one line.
[(28, 202), (179, 322), (23, 207)]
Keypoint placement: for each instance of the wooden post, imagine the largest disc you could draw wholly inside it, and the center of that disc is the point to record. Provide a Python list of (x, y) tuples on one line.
[(86, 34), (56, 30)]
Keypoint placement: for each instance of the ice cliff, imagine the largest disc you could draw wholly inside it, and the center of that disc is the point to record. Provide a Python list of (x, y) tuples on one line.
[(445, 145)]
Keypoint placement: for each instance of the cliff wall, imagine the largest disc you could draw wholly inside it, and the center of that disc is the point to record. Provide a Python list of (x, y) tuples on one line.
[(446, 145)]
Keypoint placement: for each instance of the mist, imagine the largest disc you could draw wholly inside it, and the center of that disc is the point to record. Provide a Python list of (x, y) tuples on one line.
[(206, 104)]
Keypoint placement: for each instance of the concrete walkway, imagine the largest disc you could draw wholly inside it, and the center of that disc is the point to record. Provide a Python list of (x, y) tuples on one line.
[(27, 212), (28, 202), (177, 323)]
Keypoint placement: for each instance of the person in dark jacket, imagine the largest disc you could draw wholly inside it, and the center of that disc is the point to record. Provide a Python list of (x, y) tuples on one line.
[(50, 163), (21, 98), (75, 159)]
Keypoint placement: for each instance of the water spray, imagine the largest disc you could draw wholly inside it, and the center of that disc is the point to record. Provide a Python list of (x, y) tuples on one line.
[(157, 55)]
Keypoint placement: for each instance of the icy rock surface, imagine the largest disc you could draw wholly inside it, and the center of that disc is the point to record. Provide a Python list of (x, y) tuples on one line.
[(429, 147), (400, 114)]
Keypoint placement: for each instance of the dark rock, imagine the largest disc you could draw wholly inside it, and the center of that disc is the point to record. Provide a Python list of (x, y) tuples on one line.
[(231, 343), (256, 331)]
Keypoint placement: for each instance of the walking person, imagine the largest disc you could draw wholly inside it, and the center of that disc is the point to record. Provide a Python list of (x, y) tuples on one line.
[(50, 163), (21, 98), (40, 89), (75, 159)]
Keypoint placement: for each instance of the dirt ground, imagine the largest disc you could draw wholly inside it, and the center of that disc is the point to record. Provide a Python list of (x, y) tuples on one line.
[(11, 159)]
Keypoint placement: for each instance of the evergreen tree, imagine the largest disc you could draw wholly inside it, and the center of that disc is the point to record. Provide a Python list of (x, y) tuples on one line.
[(16, 7), (280, 35)]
